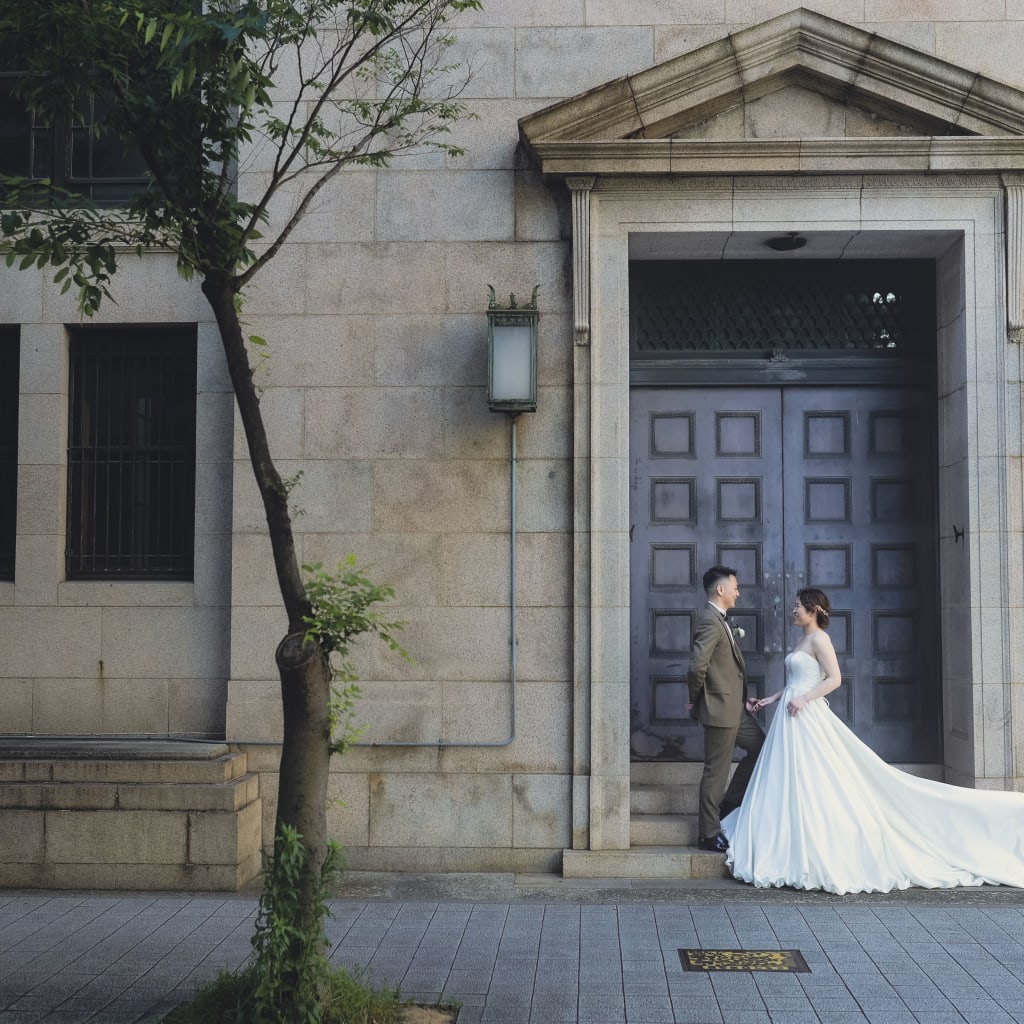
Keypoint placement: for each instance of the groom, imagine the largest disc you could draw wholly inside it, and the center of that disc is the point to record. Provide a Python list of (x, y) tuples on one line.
[(717, 681)]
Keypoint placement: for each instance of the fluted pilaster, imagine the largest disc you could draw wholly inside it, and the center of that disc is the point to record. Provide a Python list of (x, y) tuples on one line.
[(580, 186), (1014, 185)]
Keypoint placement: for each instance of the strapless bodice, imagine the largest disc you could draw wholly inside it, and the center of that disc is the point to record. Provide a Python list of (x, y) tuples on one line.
[(803, 672)]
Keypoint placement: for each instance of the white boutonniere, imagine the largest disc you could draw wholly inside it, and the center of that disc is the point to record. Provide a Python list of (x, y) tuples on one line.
[(738, 631)]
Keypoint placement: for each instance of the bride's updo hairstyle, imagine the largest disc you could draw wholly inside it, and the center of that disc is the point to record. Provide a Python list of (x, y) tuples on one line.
[(816, 603)]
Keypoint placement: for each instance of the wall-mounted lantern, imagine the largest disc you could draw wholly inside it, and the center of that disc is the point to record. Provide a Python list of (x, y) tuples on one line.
[(512, 354)]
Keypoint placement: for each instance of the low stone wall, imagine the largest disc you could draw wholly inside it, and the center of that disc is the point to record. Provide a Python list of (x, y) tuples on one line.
[(92, 814)]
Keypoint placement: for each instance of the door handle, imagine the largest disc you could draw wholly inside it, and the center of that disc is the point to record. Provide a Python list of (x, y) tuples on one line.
[(774, 631)]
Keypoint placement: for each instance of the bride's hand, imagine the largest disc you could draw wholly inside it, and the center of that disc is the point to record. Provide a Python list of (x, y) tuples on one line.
[(796, 705)]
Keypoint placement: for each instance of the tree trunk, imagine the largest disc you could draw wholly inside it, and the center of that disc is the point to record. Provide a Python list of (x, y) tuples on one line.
[(303, 667), (305, 753)]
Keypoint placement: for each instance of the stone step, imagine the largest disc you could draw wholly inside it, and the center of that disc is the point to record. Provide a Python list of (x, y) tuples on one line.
[(680, 773), (61, 769), (127, 814), (162, 796), (663, 799), (662, 829), (109, 748), (683, 862), (665, 773)]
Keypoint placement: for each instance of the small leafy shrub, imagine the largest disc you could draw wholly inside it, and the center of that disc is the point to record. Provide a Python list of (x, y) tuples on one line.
[(288, 943), (276, 987), (342, 605)]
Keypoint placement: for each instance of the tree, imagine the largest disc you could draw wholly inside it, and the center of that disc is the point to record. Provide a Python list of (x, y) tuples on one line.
[(193, 88)]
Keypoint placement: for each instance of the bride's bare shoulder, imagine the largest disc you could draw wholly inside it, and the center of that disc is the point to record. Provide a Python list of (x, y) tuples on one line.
[(821, 643)]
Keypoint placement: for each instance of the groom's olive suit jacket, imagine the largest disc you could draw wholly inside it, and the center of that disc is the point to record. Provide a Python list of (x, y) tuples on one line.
[(717, 674)]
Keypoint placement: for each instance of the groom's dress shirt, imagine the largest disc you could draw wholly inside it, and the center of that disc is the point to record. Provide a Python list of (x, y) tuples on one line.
[(732, 636)]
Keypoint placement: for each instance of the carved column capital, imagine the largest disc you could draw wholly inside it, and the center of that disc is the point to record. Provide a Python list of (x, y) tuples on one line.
[(1014, 186), (580, 186), (580, 182)]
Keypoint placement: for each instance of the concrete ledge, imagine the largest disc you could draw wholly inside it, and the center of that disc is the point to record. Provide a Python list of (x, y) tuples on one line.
[(644, 862), (163, 796), (127, 815), (438, 859), (140, 877), (218, 770), (102, 748)]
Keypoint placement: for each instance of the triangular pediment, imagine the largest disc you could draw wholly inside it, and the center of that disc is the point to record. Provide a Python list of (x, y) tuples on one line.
[(799, 76), (798, 110)]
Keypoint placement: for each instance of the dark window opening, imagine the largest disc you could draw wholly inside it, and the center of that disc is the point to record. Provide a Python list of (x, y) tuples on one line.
[(132, 453), (746, 308), (69, 152), (9, 359)]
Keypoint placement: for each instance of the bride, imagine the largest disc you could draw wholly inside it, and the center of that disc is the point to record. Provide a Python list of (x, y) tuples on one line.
[(823, 811)]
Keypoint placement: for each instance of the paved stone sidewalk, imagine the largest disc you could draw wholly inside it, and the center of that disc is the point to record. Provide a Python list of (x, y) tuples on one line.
[(539, 950)]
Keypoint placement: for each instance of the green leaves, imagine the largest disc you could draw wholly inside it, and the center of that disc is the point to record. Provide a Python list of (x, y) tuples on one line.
[(191, 87), (289, 966), (342, 608)]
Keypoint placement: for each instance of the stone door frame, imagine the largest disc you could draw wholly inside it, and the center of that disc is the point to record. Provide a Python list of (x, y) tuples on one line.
[(962, 222), (928, 161)]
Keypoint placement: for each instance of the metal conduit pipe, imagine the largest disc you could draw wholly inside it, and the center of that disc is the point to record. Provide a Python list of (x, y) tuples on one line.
[(514, 642)]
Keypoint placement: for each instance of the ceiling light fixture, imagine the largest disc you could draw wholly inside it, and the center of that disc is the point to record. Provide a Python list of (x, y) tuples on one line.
[(787, 243)]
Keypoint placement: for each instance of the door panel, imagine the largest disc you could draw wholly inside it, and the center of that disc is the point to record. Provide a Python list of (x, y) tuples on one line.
[(706, 487), (863, 460), (787, 485)]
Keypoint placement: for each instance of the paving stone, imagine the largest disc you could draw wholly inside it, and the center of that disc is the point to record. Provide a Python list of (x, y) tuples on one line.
[(539, 964)]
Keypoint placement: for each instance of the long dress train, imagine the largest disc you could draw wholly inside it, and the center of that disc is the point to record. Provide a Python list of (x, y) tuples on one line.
[(823, 811)]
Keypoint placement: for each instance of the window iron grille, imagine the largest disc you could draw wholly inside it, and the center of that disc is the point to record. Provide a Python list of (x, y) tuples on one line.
[(736, 308), (131, 454), (9, 360)]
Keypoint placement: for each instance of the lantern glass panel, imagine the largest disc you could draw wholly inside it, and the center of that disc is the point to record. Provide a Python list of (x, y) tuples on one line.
[(511, 363)]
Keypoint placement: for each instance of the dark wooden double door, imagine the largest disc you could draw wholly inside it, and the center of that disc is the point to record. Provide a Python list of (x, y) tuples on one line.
[(792, 486)]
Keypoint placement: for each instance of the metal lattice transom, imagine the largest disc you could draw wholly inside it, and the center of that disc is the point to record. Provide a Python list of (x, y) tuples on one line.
[(693, 308)]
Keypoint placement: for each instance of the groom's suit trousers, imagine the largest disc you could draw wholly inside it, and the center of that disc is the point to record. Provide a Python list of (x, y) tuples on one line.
[(717, 683), (715, 786)]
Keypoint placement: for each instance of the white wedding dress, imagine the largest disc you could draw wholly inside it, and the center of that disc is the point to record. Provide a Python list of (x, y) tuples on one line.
[(823, 811)]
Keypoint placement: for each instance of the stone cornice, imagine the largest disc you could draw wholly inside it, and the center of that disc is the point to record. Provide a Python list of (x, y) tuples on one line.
[(903, 155)]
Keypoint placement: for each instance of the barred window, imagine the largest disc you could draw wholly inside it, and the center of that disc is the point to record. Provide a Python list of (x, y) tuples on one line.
[(69, 152), (9, 358), (132, 453)]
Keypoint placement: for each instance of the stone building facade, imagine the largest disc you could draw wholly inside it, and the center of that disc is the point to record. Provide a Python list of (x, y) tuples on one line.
[(611, 142)]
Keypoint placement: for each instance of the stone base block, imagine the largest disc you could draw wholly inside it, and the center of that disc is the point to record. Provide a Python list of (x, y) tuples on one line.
[(133, 877), (137, 816), (420, 859), (644, 862)]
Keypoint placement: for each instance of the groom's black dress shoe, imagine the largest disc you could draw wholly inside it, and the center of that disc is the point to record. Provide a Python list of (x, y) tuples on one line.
[(714, 844)]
